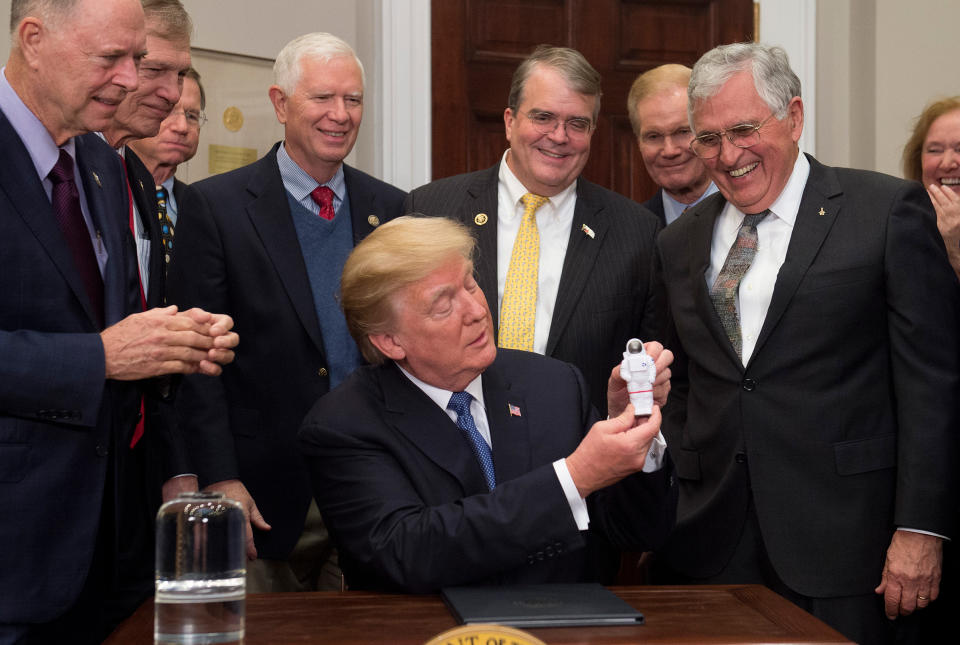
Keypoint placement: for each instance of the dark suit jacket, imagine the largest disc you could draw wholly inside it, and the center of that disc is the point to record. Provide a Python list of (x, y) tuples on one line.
[(608, 292), (655, 206), (403, 495), (237, 252), (843, 424), (60, 420)]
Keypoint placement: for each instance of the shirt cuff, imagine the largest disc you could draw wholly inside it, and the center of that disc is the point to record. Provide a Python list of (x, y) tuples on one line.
[(903, 528), (654, 461), (578, 506)]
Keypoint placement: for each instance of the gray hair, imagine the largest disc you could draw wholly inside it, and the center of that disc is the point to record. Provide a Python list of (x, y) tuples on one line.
[(774, 80), (167, 19), (47, 10), (319, 45), (576, 71)]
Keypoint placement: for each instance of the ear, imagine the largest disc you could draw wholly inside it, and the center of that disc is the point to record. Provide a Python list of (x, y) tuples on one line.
[(30, 35), (508, 119), (388, 345), (279, 99), (795, 117)]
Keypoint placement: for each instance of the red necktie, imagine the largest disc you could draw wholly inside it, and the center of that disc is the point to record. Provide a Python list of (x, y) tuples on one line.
[(137, 431), (66, 206), (323, 196)]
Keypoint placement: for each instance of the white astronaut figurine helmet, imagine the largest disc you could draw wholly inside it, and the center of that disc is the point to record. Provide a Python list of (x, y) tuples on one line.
[(639, 371)]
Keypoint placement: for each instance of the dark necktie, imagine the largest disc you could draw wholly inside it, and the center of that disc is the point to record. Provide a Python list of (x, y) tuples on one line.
[(323, 197), (166, 225), (460, 403), (726, 286), (66, 206)]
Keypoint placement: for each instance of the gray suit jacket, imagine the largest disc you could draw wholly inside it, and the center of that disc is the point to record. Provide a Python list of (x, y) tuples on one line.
[(608, 289)]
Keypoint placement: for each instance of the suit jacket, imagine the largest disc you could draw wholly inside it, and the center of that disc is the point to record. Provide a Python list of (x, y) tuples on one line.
[(60, 420), (608, 291), (406, 502), (237, 252), (843, 422), (655, 206)]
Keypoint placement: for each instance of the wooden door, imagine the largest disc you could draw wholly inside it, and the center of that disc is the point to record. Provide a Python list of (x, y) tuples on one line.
[(477, 44)]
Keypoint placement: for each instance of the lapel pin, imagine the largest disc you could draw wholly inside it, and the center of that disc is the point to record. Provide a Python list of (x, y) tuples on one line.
[(588, 231), (480, 219), (822, 212), (96, 178), (373, 220), (514, 410)]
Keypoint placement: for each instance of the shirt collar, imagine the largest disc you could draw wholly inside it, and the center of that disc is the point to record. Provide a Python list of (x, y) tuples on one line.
[(516, 190), (441, 396), (41, 147), (300, 184), (672, 206)]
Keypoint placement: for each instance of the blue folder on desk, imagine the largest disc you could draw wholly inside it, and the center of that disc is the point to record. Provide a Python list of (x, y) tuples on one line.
[(556, 605)]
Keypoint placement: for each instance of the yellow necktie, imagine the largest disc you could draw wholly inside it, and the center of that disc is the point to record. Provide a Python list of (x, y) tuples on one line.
[(519, 307)]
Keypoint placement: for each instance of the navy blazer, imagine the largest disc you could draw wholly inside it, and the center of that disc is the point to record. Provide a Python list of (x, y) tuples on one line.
[(608, 291), (403, 495), (60, 420), (843, 424), (655, 206), (237, 252)]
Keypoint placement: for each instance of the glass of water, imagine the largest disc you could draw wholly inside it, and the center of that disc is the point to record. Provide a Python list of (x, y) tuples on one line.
[(200, 571)]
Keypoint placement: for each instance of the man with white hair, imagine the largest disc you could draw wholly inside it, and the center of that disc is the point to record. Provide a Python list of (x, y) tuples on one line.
[(267, 243)]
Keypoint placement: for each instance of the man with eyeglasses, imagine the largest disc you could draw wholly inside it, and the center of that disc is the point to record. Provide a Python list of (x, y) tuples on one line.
[(565, 264), (814, 413), (657, 106), (176, 143)]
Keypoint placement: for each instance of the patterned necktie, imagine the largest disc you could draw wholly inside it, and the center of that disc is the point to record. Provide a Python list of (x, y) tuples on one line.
[(323, 197), (460, 403), (518, 310), (726, 286), (66, 206), (166, 224)]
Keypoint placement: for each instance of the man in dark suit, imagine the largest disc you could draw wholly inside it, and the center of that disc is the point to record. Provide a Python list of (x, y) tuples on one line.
[(176, 142), (449, 461), (70, 340), (592, 288), (267, 242), (815, 431), (657, 106)]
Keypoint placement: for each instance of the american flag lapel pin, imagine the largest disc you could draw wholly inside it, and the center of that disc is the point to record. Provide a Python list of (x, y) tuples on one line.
[(514, 410), (587, 231)]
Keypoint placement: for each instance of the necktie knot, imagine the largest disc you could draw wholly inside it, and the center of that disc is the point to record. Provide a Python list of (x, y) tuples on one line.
[(323, 197), (63, 169), (751, 221), (460, 403), (531, 202)]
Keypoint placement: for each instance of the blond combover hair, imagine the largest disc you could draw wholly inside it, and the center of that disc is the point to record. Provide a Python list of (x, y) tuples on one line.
[(652, 82), (397, 254)]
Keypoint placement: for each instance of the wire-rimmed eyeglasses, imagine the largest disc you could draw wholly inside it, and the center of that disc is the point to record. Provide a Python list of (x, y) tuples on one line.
[(743, 135)]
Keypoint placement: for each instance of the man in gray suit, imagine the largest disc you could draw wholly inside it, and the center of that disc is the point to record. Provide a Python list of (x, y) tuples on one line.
[(565, 264)]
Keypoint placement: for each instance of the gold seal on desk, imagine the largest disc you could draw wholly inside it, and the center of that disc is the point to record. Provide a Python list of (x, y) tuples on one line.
[(232, 118), (481, 634)]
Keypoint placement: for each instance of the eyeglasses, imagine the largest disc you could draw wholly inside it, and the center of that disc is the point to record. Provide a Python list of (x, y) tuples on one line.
[(546, 123), (744, 135), (194, 119)]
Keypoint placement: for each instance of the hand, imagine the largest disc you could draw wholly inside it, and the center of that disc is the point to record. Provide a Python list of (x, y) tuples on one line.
[(612, 450), (947, 205), (163, 341), (175, 486), (911, 574), (235, 490), (617, 397)]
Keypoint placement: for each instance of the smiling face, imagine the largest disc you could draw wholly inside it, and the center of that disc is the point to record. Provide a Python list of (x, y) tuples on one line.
[(547, 163), (442, 331), (940, 156), (750, 178), (177, 140), (322, 115), (664, 144)]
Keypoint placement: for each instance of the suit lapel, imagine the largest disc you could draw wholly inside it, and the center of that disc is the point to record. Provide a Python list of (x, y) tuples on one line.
[(582, 252), (365, 214), (821, 194), (429, 428), (269, 212), (482, 198), (505, 407)]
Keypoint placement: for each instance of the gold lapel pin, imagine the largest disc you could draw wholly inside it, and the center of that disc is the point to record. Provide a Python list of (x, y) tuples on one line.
[(822, 212), (96, 178), (373, 220), (480, 219), (588, 231)]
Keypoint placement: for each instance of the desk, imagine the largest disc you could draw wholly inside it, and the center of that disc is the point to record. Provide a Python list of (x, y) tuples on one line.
[(683, 614)]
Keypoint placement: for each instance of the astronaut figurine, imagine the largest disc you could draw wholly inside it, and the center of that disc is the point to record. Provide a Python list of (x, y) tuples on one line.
[(638, 370)]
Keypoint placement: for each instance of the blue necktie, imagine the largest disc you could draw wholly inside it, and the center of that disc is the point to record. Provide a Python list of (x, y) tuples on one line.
[(460, 403)]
